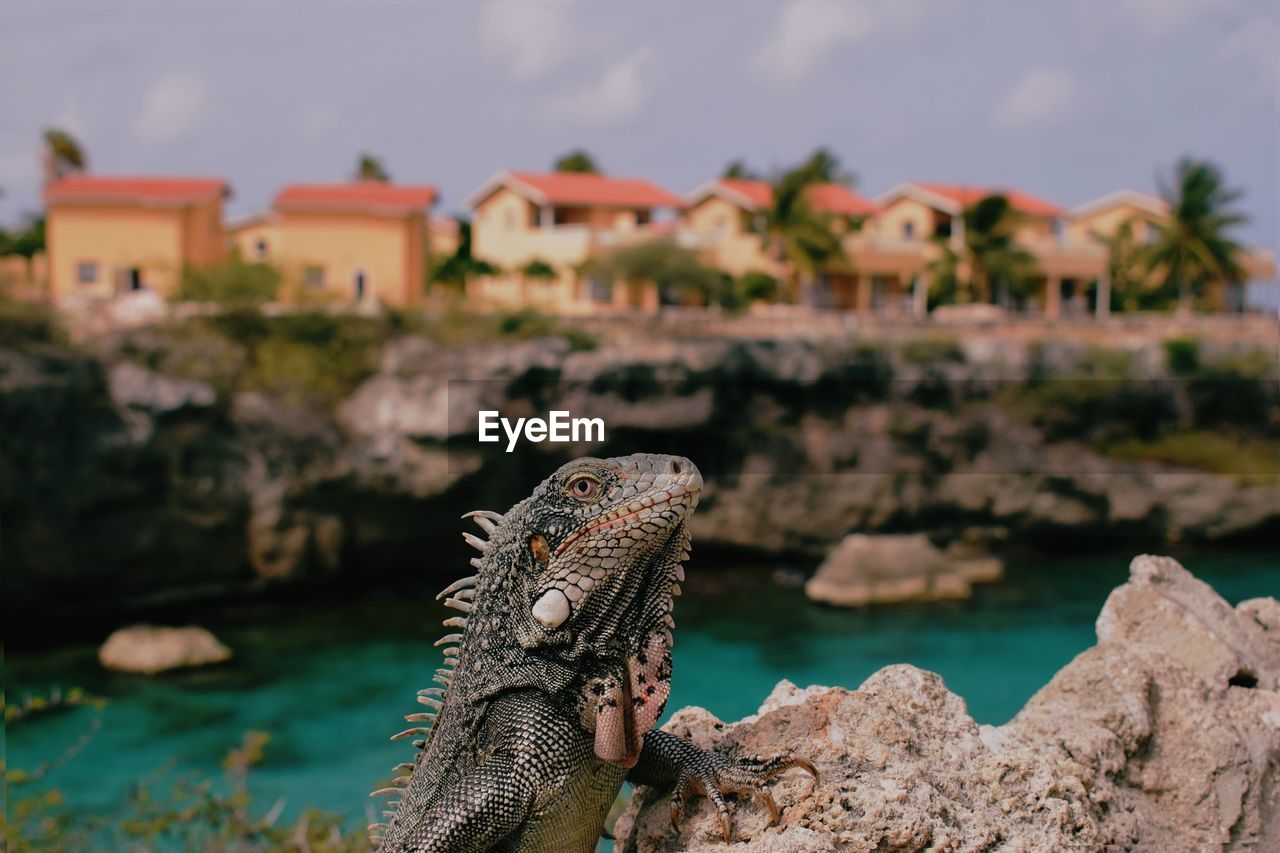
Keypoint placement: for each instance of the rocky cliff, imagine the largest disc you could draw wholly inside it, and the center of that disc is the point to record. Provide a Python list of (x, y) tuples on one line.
[(1163, 736), (139, 470)]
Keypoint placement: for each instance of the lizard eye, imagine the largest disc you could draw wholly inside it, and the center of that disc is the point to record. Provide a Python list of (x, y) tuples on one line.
[(584, 487)]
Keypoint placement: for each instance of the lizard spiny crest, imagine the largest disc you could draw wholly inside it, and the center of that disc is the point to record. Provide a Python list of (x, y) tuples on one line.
[(572, 598)]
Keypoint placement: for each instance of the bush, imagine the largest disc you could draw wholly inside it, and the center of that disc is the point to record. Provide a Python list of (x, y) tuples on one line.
[(1248, 461), (1182, 355), (527, 324), (926, 351), (756, 286), (1100, 402), (193, 812), (233, 283), (23, 323), (1241, 392)]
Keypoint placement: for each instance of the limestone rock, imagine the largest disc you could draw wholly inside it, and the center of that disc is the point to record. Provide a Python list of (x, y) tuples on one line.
[(149, 649), (1163, 736), (877, 569), (135, 386)]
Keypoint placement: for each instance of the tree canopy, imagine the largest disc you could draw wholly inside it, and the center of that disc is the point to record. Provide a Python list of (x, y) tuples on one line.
[(803, 240), (987, 259), (578, 161), (1194, 247), (739, 170), (539, 270), (63, 155), (370, 168), (674, 269)]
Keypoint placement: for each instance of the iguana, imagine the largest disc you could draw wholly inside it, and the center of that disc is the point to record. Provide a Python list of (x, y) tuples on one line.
[(561, 668)]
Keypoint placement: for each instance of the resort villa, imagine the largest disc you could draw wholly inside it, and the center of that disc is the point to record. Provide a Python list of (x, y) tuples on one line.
[(110, 235), (721, 218), (355, 242), (544, 236), (560, 222)]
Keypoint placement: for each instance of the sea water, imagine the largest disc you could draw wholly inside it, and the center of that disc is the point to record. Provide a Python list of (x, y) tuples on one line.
[(330, 682)]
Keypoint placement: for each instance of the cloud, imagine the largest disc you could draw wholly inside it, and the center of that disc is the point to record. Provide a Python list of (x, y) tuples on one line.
[(618, 93), (1256, 44), (531, 38), (1043, 96), (807, 31), (175, 105), (1150, 18)]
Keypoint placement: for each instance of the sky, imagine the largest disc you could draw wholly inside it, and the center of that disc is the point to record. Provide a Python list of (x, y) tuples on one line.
[(1067, 99)]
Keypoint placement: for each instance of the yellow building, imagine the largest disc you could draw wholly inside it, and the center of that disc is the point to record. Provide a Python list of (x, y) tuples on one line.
[(721, 219), (894, 252), (1091, 224), (442, 236), (363, 242), (563, 221), (109, 235)]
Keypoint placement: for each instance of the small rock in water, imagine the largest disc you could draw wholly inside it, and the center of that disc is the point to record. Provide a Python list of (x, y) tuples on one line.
[(881, 569), (149, 649)]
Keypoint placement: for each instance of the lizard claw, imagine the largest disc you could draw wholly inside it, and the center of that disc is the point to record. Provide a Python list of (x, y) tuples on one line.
[(713, 775)]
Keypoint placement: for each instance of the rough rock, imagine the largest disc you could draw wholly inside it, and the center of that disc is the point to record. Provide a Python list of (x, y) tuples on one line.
[(137, 387), (1163, 736), (878, 569), (149, 649), (144, 450)]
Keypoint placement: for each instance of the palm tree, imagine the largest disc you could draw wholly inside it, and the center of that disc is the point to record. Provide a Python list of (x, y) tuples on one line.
[(578, 161), (823, 167), (63, 155), (987, 258), (370, 168), (1192, 248), (799, 238), (1126, 274), (738, 170)]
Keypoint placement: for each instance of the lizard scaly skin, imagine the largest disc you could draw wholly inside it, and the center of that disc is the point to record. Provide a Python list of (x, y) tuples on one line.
[(562, 668)]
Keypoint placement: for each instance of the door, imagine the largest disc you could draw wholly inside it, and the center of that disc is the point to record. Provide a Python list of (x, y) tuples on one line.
[(360, 282), (128, 279)]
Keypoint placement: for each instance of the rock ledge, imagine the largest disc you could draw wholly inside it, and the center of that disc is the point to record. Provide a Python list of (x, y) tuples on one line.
[(1163, 736)]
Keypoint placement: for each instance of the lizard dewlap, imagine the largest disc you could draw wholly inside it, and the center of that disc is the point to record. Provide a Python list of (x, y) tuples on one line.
[(559, 670)]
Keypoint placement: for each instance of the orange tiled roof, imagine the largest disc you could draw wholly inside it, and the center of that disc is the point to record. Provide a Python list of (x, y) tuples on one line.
[(596, 190), (968, 195), (364, 196), (135, 190), (826, 198), (834, 198), (443, 224), (759, 193)]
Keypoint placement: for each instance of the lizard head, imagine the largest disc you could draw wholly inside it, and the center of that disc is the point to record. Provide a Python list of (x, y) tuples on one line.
[(605, 542)]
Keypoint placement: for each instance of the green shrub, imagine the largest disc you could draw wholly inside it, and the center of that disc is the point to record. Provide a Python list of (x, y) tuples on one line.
[(233, 283), (527, 324), (24, 323), (189, 812), (756, 286), (926, 351), (1248, 461), (1182, 355), (1241, 391)]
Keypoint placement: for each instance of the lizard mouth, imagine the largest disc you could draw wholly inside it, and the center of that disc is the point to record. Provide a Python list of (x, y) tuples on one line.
[(666, 497)]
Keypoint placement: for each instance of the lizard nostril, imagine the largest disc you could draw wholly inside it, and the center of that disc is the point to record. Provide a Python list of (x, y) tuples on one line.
[(676, 467)]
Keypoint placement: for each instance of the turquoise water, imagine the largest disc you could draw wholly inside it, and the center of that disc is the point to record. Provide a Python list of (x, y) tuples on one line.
[(331, 681)]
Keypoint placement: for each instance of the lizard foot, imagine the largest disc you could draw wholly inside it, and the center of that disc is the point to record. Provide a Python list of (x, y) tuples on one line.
[(712, 775)]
